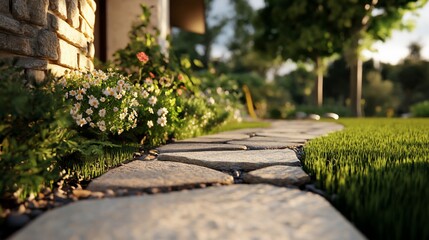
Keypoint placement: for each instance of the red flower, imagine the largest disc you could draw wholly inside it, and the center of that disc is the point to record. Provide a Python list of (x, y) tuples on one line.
[(180, 77), (151, 75), (142, 57)]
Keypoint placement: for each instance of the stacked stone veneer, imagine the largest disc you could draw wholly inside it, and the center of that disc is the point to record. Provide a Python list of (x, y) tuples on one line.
[(46, 35)]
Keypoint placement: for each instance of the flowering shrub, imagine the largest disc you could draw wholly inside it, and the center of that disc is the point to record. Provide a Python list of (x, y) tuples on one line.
[(104, 101)]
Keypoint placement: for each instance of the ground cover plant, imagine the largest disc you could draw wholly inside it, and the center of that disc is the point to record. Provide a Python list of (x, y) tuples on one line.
[(376, 172)]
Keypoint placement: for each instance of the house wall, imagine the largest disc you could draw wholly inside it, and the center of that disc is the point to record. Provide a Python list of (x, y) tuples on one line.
[(46, 35), (122, 14)]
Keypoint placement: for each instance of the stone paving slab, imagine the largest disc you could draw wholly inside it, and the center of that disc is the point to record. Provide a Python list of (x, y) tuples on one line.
[(229, 212), (217, 138), (150, 174), (246, 160), (261, 145), (279, 139), (197, 147), (278, 175)]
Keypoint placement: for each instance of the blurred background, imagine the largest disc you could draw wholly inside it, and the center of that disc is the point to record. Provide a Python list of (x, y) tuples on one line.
[(355, 59)]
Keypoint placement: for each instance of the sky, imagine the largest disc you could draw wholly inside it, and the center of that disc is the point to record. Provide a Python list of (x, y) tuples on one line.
[(391, 51)]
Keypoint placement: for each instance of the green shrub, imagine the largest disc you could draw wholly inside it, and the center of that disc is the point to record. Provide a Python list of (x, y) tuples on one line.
[(34, 133), (181, 108), (376, 171), (420, 109)]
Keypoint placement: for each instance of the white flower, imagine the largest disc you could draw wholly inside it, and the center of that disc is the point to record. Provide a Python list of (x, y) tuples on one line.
[(162, 121), (148, 81), (93, 102), (145, 94), (153, 100), (81, 122), (82, 91), (109, 91), (102, 112), (88, 119), (102, 99), (121, 82), (77, 106), (66, 95), (211, 101), (150, 124), (118, 96), (89, 111), (91, 124), (122, 116), (101, 125), (86, 85), (150, 110), (219, 90), (102, 128), (120, 131), (115, 109), (79, 97), (72, 93), (162, 111)]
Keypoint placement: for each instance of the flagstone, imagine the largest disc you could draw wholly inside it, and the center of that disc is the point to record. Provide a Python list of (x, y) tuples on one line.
[(157, 174), (246, 160), (278, 175), (226, 212), (196, 147)]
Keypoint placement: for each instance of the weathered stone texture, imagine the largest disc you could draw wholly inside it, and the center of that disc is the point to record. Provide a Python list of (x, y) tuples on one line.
[(197, 147), (59, 7), (73, 13), (20, 10), (278, 175), (87, 12), (86, 29), (85, 63), (9, 24), (66, 32), (32, 63), (30, 11), (69, 55), (14, 44), (4, 6), (64, 35), (151, 174), (48, 45), (227, 212), (247, 160)]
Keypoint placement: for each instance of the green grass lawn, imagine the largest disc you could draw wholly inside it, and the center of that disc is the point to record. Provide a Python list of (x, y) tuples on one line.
[(377, 173)]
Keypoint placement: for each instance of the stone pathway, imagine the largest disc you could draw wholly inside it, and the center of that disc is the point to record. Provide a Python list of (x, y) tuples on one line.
[(242, 184)]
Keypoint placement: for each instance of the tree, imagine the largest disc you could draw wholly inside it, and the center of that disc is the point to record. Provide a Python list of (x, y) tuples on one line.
[(361, 22), (310, 29), (199, 46), (301, 31)]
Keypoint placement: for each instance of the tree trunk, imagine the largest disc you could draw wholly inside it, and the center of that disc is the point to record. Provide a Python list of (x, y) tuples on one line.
[(319, 82), (356, 86)]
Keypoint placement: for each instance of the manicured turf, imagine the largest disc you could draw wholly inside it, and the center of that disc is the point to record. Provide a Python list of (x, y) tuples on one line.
[(377, 174)]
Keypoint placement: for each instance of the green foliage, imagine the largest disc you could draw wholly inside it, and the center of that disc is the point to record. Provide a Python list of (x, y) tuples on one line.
[(101, 102), (177, 91), (95, 158), (376, 171), (34, 133), (420, 109)]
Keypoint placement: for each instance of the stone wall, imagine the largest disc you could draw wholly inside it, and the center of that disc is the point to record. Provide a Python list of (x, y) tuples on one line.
[(48, 34)]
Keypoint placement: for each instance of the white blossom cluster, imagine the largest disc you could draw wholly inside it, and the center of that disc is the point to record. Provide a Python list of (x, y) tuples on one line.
[(106, 101)]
